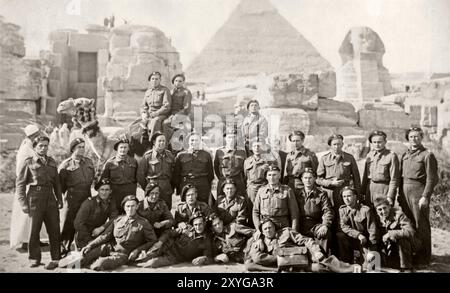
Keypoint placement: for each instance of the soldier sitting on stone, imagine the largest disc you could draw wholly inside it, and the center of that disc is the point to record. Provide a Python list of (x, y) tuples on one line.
[(181, 245), (263, 246), (189, 204), (95, 214), (358, 229), (231, 206), (155, 210), (122, 241), (228, 240), (398, 235)]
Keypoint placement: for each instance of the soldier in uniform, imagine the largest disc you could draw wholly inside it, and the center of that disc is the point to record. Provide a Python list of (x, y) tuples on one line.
[(297, 160), (358, 228), (155, 210), (277, 202), (264, 245), (194, 166), (157, 167), (192, 244), (316, 213), (42, 201), (254, 125), (181, 104), (231, 206), (95, 214), (275, 146), (419, 177), (229, 163), (397, 242), (76, 174), (122, 241), (381, 171), (255, 168), (228, 240), (157, 102), (139, 135), (336, 170), (189, 204), (121, 170)]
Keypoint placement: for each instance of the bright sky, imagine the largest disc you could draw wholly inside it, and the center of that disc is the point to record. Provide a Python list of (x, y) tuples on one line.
[(416, 33)]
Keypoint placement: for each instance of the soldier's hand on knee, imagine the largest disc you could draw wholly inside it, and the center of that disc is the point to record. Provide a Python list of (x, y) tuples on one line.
[(319, 256), (423, 202), (133, 255), (362, 239), (85, 250), (97, 231), (322, 231), (198, 261), (222, 258)]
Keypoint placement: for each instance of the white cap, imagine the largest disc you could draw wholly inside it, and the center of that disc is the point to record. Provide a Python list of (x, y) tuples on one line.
[(31, 129)]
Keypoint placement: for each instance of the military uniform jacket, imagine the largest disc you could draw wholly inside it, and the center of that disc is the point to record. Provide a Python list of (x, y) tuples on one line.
[(234, 210), (127, 234), (232, 239), (156, 212), (157, 100), (254, 126), (35, 172), (341, 167), (76, 175), (263, 251), (420, 165), (139, 138), (297, 161), (94, 213), (184, 212), (359, 220), (156, 166), (382, 167), (181, 101), (277, 202), (229, 163), (120, 171), (193, 164), (315, 206), (255, 169), (397, 225)]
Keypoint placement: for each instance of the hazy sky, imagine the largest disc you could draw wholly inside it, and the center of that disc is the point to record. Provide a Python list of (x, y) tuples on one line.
[(416, 33)]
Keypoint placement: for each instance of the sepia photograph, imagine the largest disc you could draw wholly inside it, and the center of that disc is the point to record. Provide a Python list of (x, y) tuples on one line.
[(225, 136)]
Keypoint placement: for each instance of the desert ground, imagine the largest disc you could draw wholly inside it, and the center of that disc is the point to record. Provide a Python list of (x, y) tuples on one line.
[(14, 261)]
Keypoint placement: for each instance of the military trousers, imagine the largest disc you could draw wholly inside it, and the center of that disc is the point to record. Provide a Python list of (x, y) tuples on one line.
[(375, 190), (398, 255), (103, 258)]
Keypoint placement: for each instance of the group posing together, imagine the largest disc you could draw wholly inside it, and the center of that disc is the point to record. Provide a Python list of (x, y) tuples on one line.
[(266, 199)]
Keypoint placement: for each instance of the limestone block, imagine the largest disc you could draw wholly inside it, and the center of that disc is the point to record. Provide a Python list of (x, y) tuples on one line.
[(327, 84), (123, 55), (114, 84), (284, 120), (443, 120), (114, 69), (429, 116), (119, 41), (380, 118), (126, 101), (102, 56), (11, 41), (335, 113), (84, 89), (55, 73), (137, 78), (97, 29), (54, 88), (60, 47), (88, 43), (59, 36), (101, 70), (435, 89)]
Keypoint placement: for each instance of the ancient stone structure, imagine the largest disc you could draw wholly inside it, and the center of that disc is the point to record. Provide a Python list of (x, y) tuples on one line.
[(362, 77), (255, 39), (20, 86)]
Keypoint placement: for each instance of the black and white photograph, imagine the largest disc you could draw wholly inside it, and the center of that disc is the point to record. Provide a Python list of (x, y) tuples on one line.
[(225, 136)]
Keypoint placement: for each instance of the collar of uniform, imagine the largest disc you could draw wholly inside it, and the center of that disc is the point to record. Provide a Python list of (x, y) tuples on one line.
[(37, 158), (333, 155), (310, 193), (126, 159), (155, 153), (99, 200), (79, 159), (416, 151), (274, 188), (177, 89), (155, 87), (229, 202), (147, 205), (382, 152), (301, 151)]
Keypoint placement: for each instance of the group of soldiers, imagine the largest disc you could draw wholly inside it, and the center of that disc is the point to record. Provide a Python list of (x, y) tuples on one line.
[(266, 199)]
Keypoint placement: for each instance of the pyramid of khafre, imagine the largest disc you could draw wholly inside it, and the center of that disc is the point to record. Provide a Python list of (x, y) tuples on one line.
[(255, 39)]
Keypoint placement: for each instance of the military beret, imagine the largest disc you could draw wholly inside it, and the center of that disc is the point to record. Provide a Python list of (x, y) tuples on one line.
[(39, 139), (101, 182), (75, 142), (128, 198), (178, 75), (121, 140), (185, 190), (310, 171), (150, 186), (380, 201), (414, 128), (227, 181), (195, 215), (377, 133), (213, 216), (333, 137), (154, 73), (296, 132), (345, 188), (266, 220), (252, 101), (272, 167)]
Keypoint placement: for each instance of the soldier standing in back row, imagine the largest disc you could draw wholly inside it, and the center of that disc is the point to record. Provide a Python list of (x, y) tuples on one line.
[(121, 170), (194, 166), (76, 174), (229, 163), (42, 201), (254, 125), (297, 160), (419, 175), (381, 171)]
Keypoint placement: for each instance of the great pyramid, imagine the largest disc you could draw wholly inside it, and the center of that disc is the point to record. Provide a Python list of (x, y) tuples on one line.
[(255, 39)]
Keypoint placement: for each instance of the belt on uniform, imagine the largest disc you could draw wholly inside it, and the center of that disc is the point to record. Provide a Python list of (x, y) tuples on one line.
[(380, 181), (40, 187), (414, 181), (190, 176)]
